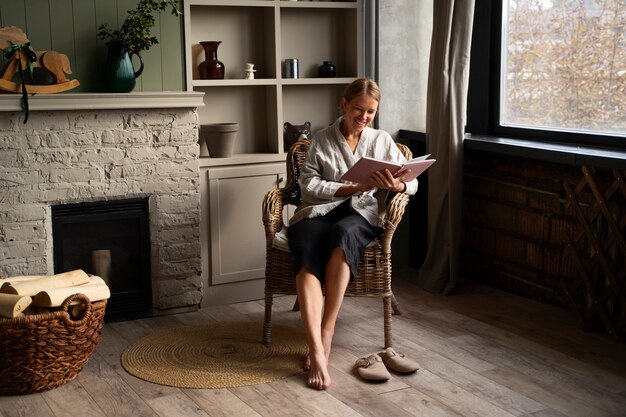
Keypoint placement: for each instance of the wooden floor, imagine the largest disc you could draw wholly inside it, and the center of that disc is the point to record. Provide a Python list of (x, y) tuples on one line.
[(482, 353)]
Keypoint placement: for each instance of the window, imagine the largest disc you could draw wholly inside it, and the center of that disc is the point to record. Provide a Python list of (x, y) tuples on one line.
[(553, 70)]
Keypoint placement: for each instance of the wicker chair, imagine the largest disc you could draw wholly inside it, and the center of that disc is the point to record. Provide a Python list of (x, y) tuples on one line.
[(373, 278)]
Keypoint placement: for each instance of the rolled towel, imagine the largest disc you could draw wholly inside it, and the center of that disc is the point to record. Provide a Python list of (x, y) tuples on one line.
[(12, 305), (94, 279), (21, 278), (34, 286), (56, 296)]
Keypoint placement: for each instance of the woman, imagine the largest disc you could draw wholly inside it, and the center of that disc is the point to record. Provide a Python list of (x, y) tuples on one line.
[(330, 229)]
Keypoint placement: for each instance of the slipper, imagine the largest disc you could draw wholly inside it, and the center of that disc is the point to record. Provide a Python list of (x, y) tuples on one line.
[(398, 362), (372, 368)]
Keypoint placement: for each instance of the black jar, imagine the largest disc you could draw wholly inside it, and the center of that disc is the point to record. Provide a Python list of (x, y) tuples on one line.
[(327, 69)]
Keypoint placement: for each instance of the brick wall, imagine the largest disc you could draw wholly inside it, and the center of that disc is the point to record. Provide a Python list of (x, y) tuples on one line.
[(77, 156), (515, 224)]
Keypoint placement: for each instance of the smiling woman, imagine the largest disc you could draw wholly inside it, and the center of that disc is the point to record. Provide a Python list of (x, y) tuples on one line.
[(336, 220)]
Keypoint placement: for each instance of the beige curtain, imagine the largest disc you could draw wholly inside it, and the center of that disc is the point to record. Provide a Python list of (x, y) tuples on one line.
[(445, 124)]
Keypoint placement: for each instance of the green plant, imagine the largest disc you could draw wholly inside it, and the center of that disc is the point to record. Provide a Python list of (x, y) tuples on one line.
[(134, 35)]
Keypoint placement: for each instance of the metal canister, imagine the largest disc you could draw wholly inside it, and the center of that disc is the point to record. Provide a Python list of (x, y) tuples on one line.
[(291, 68)]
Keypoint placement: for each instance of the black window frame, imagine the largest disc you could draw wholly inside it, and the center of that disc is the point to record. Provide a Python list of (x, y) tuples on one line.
[(483, 106)]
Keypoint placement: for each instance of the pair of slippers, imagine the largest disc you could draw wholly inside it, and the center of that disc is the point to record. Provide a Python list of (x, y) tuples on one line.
[(375, 367)]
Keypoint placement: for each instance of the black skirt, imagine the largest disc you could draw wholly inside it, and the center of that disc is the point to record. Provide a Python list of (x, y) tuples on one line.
[(312, 240)]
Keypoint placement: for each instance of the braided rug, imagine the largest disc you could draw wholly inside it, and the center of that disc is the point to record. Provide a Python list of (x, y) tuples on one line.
[(216, 355)]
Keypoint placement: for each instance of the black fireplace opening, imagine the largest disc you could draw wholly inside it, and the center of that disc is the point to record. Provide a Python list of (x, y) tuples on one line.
[(110, 239)]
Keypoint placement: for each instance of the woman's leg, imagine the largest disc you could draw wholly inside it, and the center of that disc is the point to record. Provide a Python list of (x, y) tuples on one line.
[(320, 322), (319, 314), (311, 301), (349, 235), (337, 279)]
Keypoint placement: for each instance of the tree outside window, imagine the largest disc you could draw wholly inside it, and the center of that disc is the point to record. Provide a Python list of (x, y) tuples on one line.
[(563, 65)]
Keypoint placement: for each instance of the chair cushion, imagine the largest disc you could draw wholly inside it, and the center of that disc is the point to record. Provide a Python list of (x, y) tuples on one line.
[(281, 241)]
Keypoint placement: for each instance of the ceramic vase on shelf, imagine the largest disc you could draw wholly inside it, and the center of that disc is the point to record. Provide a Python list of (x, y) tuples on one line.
[(219, 138), (211, 68), (327, 69), (119, 73)]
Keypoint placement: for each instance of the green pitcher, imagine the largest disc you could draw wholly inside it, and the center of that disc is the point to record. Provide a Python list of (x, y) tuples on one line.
[(119, 73)]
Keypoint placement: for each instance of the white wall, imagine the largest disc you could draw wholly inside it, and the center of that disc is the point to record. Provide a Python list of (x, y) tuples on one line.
[(405, 28)]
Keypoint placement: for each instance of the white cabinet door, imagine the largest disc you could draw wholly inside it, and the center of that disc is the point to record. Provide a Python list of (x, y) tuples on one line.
[(237, 248)]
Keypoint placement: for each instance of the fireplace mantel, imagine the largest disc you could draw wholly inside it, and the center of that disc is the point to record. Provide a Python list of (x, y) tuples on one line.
[(101, 101)]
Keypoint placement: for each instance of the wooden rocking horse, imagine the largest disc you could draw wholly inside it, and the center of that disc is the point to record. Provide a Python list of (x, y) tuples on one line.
[(16, 48)]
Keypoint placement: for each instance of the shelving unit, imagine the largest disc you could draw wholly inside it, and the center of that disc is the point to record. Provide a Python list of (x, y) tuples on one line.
[(263, 32), (266, 32)]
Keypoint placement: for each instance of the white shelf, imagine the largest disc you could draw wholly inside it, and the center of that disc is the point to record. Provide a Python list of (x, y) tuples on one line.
[(101, 101), (317, 81), (319, 4), (234, 3), (278, 3), (242, 159), (234, 82)]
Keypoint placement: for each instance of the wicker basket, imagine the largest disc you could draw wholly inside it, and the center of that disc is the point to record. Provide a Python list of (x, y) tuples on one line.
[(43, 351)]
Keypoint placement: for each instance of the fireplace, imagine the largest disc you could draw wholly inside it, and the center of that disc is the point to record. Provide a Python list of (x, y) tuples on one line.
[(110, 239), (88, 149)]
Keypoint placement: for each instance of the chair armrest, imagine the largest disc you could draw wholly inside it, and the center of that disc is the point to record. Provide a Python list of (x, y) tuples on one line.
[(273, 213), (395, 211)]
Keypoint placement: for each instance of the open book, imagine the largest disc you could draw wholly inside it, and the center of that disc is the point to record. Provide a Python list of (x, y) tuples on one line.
[(365, 167)]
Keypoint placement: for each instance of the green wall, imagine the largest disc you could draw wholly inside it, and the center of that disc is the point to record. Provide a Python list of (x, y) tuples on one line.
[(71, 27)]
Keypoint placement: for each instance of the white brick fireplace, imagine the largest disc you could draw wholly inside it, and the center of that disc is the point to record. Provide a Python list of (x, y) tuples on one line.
[(97, 147)]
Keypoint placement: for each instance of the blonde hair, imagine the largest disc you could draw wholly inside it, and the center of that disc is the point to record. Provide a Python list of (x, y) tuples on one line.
[(360, 86)]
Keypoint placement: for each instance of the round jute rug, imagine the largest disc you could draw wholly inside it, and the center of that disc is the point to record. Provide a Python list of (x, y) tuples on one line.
[(216, 355)]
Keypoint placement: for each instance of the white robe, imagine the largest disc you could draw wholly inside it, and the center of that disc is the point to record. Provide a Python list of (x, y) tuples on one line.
[(328, 158)]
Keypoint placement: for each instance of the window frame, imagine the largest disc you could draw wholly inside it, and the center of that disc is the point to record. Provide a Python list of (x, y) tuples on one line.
[(483, 105)]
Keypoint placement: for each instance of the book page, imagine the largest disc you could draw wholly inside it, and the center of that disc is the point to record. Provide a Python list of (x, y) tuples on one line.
[(362, 171), (419, 158)]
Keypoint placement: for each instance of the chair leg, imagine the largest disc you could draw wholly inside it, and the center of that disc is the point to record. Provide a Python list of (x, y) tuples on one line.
[(267, 322), (387, 319), (395, 305)]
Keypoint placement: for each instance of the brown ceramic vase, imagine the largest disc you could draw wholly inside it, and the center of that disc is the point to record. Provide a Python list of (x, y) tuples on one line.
[(211, 68)]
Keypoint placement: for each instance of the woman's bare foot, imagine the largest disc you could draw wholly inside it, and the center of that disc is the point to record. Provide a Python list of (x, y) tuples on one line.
[(319, 378), (307, 361)]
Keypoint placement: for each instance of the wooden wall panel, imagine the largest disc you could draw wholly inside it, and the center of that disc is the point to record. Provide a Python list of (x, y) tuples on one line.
[(89, 50), (105, 12), (38, 24), (151, 78), (13, 12), (62, 37), (71, 27), (172, 55)]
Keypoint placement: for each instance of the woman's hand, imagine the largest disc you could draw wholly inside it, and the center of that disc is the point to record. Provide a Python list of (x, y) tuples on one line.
[(352, 188), (384, 180), (387, 181)]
